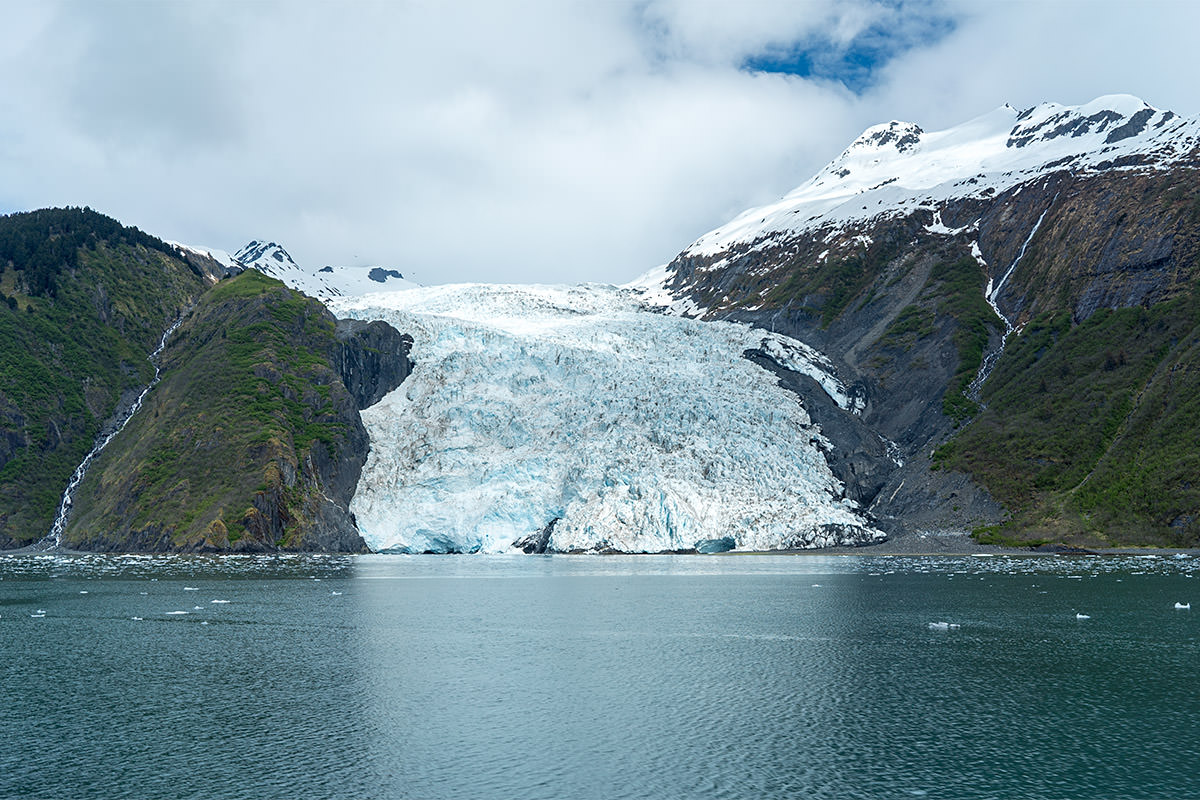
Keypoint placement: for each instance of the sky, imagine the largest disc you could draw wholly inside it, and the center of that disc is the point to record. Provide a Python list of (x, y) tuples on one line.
[(544, 141)]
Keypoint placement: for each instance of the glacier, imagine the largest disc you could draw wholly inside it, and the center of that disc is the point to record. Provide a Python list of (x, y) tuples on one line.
[(578, 412)]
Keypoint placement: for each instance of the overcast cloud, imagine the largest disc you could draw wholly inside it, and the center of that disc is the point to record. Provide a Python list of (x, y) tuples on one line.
[(516, 141)]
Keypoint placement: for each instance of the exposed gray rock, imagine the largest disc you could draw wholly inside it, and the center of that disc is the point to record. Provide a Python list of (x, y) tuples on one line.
[(372, 359)]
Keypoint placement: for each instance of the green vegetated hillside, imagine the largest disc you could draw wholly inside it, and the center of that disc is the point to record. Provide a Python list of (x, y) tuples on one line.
[(1091, 425), (1090, 432), (83, 302), (251, 442)]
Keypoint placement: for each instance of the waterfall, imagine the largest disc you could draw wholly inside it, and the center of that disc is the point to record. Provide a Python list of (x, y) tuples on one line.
[(53, 540), (991, 295)]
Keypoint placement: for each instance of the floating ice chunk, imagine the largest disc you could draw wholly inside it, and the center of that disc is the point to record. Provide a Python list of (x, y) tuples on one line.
[(943, 626), (1184, 606)]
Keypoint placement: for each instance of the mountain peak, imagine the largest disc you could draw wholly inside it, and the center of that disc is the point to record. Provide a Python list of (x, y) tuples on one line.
[(257, 253), (895, 135), (895, 168)]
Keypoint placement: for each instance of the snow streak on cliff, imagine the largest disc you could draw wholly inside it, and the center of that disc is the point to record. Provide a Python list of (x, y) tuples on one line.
[(628, 430)]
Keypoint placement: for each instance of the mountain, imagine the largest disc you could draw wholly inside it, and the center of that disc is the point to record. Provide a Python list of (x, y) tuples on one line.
[(1014, 301), (85, 301), (253, 440), (247, 434), (327, 283)]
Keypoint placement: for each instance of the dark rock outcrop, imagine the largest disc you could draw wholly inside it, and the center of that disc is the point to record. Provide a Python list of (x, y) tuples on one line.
[(372, 358), (537, 543)]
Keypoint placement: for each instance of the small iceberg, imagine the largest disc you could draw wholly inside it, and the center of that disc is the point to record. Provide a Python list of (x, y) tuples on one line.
[(1184, 606), (943, 626)]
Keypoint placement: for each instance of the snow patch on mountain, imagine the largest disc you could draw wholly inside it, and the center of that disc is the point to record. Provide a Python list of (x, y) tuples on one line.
[(220, 256), (578, 409), (326, 283), (897, 168)]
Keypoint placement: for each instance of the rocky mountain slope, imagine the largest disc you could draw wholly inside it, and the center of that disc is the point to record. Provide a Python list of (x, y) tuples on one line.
[(1012, 300)]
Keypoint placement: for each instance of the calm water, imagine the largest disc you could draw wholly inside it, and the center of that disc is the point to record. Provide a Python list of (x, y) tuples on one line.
[(598, 677)]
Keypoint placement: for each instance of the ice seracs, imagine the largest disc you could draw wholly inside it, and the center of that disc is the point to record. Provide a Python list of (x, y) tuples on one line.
[(572, 414)]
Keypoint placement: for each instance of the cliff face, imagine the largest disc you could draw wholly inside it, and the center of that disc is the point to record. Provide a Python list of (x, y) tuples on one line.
[(1087, 274), (252, 442)]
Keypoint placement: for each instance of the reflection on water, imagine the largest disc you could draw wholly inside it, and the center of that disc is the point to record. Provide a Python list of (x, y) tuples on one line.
[(605, 677)]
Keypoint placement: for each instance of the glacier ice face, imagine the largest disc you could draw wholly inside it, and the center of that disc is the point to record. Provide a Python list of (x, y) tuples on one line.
[(634, 431)]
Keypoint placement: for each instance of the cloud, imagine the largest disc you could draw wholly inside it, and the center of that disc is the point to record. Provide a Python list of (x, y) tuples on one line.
[(530, 141)]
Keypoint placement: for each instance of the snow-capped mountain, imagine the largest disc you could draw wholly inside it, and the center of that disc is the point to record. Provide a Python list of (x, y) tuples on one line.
[(918, 262), (572, 413), (896, 168), (324, 283)]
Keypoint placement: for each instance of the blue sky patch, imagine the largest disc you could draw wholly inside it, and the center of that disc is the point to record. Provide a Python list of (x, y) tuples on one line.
[(857, 63)]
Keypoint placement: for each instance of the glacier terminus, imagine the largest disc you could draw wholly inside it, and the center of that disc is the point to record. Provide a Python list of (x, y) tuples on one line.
[(575, 419)]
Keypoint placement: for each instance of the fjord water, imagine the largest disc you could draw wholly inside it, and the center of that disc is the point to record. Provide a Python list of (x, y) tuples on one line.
[(598, 677)]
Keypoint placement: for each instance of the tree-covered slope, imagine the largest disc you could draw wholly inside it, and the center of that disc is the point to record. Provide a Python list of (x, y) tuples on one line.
[(252, 441), (84, 302), (1090, 432)]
